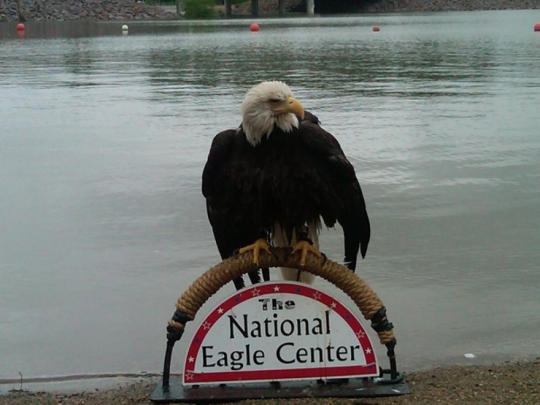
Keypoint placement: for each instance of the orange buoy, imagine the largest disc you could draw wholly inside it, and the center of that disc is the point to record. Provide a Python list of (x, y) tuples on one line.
[(20, 27), (376, 28), (254, 27), (537, 27)]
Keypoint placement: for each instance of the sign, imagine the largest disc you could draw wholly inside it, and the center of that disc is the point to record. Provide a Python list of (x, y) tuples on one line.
[(279, 331)]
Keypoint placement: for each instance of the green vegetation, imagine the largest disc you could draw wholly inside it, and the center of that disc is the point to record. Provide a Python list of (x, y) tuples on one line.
[(235, 2), (198, 9), (160, 2)]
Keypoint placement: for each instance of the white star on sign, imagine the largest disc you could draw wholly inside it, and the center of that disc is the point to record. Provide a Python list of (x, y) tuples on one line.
[(276, 288), (317, 295), (256, 292), (189, 375), (207, 325), (360, 335), (191, 359), (333, 305), (368, 351), (220, 310)]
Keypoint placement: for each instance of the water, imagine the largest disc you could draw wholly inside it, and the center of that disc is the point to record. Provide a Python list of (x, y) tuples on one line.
[(103, 138)]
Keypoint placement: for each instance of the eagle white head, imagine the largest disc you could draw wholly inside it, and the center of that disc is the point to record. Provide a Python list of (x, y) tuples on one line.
[(268, 105)]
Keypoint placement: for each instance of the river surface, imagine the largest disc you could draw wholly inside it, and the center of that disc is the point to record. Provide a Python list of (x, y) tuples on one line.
[(103, 138)]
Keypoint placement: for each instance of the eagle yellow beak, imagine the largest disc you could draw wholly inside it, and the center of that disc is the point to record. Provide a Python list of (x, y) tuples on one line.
[(290, 105), (294, 106)]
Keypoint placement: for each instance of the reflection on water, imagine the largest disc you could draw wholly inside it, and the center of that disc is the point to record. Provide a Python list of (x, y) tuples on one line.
[(103, 139)]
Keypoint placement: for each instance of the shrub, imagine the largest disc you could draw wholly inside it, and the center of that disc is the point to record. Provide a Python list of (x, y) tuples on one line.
[(199, 9)]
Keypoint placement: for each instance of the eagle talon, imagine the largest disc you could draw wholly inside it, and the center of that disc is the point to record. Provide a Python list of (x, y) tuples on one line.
[(305, 247), (260, 244)]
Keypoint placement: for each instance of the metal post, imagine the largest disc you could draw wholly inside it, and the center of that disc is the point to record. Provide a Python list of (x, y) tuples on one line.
[(167, 363), (310, 8), (254, 8), (228, 8), (281, 8)]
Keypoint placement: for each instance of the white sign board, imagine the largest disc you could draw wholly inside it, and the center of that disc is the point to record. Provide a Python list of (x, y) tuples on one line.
[(279, 331)]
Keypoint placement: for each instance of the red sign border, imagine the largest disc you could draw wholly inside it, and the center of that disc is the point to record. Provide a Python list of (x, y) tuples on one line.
[(190, 377)]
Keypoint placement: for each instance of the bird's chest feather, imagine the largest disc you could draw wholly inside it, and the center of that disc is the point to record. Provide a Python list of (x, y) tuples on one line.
[(274, 166), (279, 176), (279, 180)]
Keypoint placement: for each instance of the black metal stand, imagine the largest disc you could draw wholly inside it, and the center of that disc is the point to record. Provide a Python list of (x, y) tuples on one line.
[(351, 388), (389, 383)]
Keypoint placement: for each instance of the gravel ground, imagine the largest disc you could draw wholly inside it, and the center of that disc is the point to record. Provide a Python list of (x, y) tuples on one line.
[(504, 384)]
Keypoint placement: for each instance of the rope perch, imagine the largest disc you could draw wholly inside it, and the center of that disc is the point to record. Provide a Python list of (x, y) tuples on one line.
[(212, 280)]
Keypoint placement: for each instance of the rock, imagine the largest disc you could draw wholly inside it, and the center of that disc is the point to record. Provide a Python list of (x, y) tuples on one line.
[(445, 5), (81, 9), (271, 7), (133, 9)]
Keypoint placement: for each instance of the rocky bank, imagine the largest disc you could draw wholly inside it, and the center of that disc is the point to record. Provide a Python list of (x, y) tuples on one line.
[(390, 6), (505, 384), (136, 9), (61, 10), (385, 6)]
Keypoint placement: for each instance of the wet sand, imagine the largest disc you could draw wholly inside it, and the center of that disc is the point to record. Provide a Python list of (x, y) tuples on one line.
[(515, 383)]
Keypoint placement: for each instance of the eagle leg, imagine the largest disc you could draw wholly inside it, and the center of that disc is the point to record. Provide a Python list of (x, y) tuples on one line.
[(260, 244), (305, 246)]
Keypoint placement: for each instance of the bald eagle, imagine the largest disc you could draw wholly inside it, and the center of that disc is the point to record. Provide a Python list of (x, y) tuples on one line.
[(273, 180)]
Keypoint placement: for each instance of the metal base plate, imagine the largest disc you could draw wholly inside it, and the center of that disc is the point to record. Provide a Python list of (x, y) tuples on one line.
[(353, 388)]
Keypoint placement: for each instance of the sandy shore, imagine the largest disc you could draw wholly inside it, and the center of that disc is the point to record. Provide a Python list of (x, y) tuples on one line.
[(505, 384)]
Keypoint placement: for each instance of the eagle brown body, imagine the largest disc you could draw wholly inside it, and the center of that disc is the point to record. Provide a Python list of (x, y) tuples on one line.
[(281, 182)]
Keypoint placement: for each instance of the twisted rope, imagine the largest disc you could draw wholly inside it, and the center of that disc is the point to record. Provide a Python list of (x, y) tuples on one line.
[(212, 280)]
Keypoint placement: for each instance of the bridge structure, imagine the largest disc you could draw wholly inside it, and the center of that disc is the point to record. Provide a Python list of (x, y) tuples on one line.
[(310, 8)]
